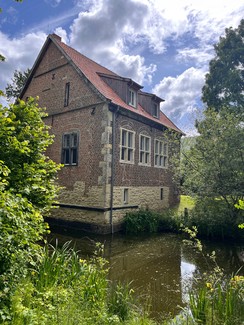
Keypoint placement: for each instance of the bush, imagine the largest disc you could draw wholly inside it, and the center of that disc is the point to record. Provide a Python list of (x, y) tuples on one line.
[(213, 220), (169, 221), (141, 221), (146, 221)]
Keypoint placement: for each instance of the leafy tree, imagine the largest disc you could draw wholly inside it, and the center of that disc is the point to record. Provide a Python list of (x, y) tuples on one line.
[(19, 79), (27, 191), (214, 167), (224, 86)]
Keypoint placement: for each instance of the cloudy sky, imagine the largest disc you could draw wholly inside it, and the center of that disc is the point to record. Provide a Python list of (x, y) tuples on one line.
[(163, 45)]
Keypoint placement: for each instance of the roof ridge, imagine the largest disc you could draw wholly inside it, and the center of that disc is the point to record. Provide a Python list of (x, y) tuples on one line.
[(91, 70), (59, 40)]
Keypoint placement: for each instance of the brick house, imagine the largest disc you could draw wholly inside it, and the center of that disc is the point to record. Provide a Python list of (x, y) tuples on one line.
[(110, 136)]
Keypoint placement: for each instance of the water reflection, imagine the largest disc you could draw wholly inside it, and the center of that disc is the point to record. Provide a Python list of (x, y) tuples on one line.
[(160, 268), (187, 277)]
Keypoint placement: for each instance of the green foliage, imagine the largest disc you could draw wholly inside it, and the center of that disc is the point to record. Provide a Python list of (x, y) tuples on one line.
[(121, 301), (141, 221), (225, 81), (27, 184), (146, 221), (219, 303), (213, 219), (60, 288), (214, 166), (18, 81), (64, 289), (24, 139)]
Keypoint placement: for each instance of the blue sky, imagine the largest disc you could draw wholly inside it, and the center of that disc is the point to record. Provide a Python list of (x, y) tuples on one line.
[(164, 45)]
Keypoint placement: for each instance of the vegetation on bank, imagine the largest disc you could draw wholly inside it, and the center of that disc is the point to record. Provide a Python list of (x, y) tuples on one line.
[(64, 289), (211, 217)]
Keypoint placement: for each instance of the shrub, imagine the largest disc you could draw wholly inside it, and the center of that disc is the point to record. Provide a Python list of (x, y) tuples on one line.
[(141, 221), (169, 221), (213, 220)]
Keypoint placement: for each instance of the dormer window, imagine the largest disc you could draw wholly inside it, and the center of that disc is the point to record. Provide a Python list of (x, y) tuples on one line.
[(155, 110), (132, 97)]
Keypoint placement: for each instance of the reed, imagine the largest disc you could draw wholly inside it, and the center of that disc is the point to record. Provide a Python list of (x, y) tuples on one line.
[(66, 289)]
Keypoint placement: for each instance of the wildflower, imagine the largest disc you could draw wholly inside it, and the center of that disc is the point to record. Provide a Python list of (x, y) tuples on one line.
[(209, 285)]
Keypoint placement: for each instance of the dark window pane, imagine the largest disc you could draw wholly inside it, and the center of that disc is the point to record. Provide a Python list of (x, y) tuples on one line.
[(123, 153), (123, 137), (66, 94), (66, 156), (74, 156), (130, 154), (74, 140), (66, 140)]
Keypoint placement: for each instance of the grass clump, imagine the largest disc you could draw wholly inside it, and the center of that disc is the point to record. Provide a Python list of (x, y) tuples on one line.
[(141, 221)]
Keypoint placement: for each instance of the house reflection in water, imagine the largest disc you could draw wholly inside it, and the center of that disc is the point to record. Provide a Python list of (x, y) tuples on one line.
[(154, 267)]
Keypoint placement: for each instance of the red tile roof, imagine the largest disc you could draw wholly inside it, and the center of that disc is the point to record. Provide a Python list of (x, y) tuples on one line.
[(91, 70)]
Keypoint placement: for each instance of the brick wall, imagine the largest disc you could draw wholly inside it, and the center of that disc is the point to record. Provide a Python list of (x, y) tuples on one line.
[(89, 183), (49, 82)]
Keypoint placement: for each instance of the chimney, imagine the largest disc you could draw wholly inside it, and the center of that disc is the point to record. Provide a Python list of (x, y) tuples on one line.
[(57, 37)]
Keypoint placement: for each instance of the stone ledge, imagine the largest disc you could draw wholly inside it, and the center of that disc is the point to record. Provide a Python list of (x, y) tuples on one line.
[(102, 229)]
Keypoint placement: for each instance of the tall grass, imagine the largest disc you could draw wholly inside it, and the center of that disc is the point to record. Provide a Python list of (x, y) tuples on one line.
[(220, 303), (141, 221), (66, 289)]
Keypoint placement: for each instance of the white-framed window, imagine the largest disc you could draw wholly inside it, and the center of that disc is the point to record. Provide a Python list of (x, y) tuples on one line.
[(145, 150), (70, 149), (132, 97), (127, 146), (126, 196), (160, 154), (155, 110)]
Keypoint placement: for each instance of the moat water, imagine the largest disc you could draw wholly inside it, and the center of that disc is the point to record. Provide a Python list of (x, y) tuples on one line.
[(161, 268)]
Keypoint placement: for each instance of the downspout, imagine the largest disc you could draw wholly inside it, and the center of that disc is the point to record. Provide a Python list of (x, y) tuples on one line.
[(114, 111)]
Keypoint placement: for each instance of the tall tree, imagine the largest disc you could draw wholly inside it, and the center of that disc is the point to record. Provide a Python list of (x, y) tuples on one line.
[(224, 86), (214, 166), (18, 81)]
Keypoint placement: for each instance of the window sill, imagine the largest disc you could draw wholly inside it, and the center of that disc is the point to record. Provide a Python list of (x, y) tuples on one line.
[(162, 167), (127, 162), (145, 165)]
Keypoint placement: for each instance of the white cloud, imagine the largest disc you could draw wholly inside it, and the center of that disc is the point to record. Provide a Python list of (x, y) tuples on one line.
[(20, 54), (200, 56), (181, 93), (104, 32), (62, 33)]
